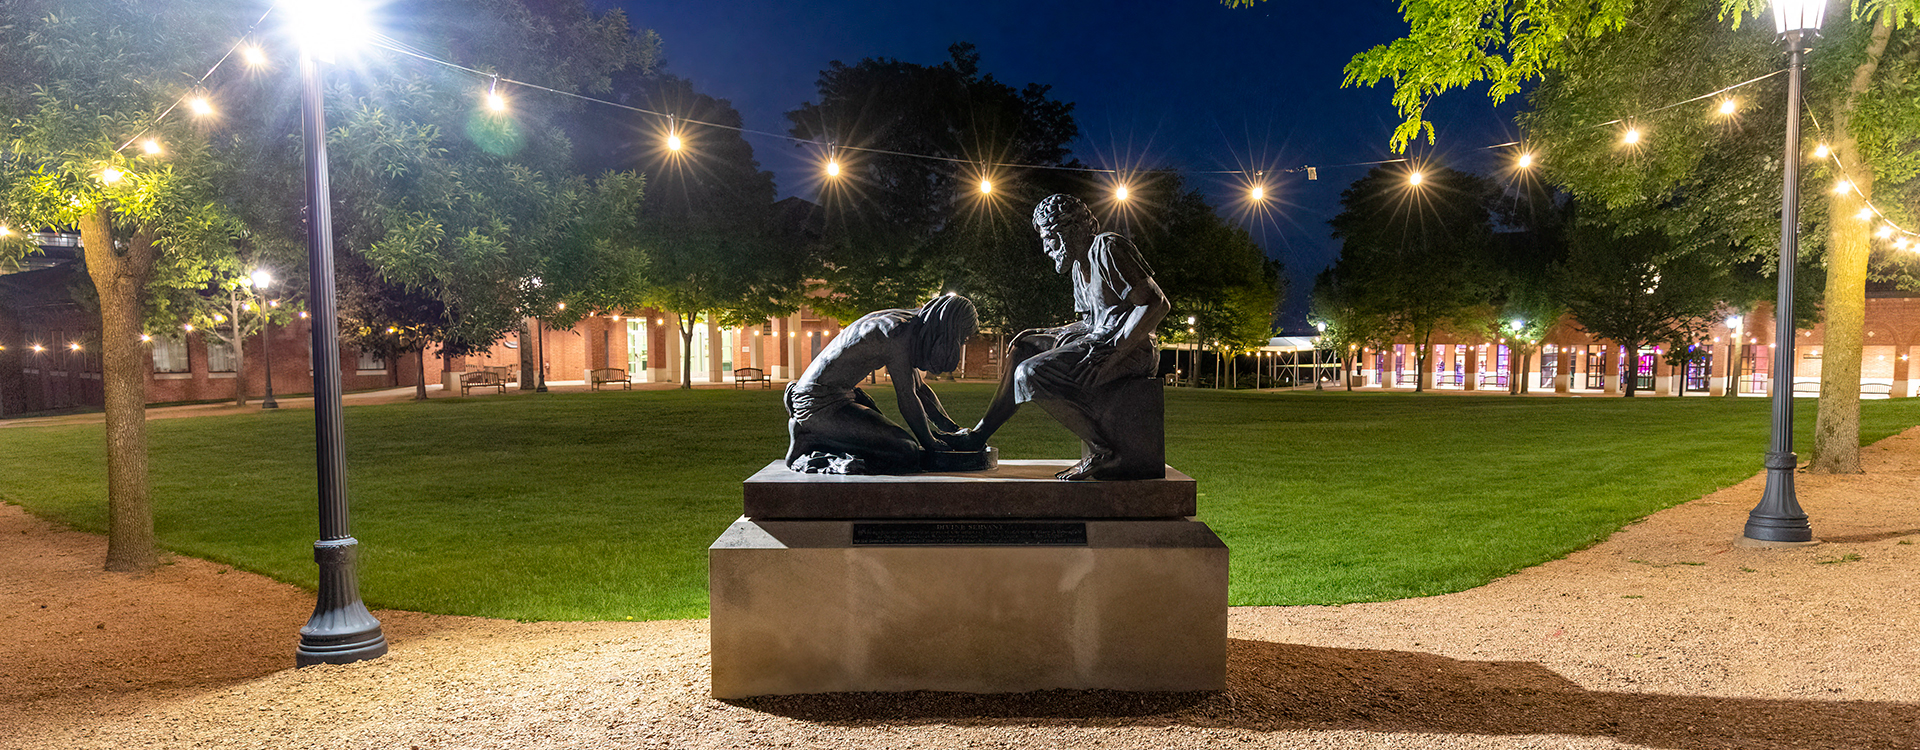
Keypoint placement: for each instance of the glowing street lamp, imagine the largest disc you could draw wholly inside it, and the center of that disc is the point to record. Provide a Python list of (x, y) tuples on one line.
[(261, 280), (341, 629), (1778, 517)]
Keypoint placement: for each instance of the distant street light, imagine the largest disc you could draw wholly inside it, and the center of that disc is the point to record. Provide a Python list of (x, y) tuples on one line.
[(1778, 517), (261, 279)]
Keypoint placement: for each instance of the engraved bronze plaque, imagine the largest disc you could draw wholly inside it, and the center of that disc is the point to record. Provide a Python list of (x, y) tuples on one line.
[(985, 533)]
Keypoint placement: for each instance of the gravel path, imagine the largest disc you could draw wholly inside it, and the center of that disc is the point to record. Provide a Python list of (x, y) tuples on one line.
[(1667, 635)]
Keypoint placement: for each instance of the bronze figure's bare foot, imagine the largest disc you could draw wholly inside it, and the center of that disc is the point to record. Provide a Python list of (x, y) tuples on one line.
[(1085, 468)]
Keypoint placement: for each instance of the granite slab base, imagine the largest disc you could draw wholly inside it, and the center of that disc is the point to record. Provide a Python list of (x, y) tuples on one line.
[(980, 606)]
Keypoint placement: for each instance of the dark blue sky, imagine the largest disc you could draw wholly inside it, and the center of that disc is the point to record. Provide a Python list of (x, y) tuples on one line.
[(1188, 84)]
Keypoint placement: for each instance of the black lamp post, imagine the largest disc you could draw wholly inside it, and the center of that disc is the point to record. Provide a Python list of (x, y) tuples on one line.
[(341, 629), (1778, 517), (540, 363), (260, 281)]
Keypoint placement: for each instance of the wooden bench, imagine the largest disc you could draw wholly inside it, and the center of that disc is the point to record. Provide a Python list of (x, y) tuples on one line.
[(745, 375), (1867, 390), (506, 373), (481, 379), (605, 375)]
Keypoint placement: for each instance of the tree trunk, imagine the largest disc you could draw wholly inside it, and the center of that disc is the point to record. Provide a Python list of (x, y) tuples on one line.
[(420, 388), (686, 351), (1630, 374), (1836, 428), (121, 280), (1420, 363)]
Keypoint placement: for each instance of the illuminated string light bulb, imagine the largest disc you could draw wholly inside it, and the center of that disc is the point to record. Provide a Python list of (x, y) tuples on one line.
[(1884, 232), (1727, 106), (391, 329), (833, 168), (5, 230), (1842, 187), (1820, 151), (151, 146), (188, 326), (200, 106), (253, 55), (986, 186), (111, 175), (1120, 193), (38, 348), (1415, 178), (1526, 161), (1631, 137), (144, 338), (673, 142), (1865, 214), (1258, 193), (74, 347), (495, 101)]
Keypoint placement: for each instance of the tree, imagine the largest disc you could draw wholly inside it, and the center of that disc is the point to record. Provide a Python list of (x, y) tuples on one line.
[(1860, 95), (448, 210), (708, 229), (886, 212), (1415, 256), (1352, 325), (82, 81), (1628, 290)]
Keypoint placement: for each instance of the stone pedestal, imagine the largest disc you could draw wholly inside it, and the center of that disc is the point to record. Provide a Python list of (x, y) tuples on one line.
[(1002, 581)]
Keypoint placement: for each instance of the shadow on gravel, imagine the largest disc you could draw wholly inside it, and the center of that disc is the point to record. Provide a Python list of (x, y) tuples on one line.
[(1277, 686)]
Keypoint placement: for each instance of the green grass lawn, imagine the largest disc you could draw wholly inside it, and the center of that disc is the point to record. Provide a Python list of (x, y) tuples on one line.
[(601, 505)]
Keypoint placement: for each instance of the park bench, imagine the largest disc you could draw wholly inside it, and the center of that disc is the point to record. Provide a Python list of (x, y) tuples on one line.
[(506, 373), (481, 379), (745, 375), (1867, 390), (606, 375)]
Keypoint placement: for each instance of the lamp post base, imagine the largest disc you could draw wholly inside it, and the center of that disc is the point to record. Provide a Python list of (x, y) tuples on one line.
[(341, 630), (1778, 517)]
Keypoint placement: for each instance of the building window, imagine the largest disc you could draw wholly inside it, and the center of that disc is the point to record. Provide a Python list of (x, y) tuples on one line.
[(370, 360), (220, 356), (169, 354)]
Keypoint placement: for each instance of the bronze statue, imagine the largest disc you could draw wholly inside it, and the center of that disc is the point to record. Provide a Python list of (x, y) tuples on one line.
[(1091, 374), (835, 427)]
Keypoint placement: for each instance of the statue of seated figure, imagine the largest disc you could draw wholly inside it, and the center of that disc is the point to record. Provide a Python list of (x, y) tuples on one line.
[(834, 426), (1095, 375)]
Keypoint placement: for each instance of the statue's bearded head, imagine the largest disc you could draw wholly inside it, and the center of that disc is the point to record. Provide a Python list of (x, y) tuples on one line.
[(1066, 228)]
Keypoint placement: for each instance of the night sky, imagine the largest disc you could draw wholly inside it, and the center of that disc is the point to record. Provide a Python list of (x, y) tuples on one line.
[(1187, 84)]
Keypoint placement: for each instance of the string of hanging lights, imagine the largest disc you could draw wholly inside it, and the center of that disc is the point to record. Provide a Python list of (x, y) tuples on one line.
[(1256, 183)]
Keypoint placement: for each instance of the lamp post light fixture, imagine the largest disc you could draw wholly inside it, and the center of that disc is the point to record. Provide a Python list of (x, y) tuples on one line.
[(1778, 518), (341, 629), (261, 279)]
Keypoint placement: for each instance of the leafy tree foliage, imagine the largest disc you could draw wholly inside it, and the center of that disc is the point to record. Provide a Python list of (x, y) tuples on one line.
[(708, 228), (81, 81), (886, 214), (1702, 184), (1629, 289), (1414, 257)]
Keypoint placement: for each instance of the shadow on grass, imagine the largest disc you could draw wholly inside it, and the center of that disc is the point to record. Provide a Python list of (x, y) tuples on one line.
[(1276, 686)]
